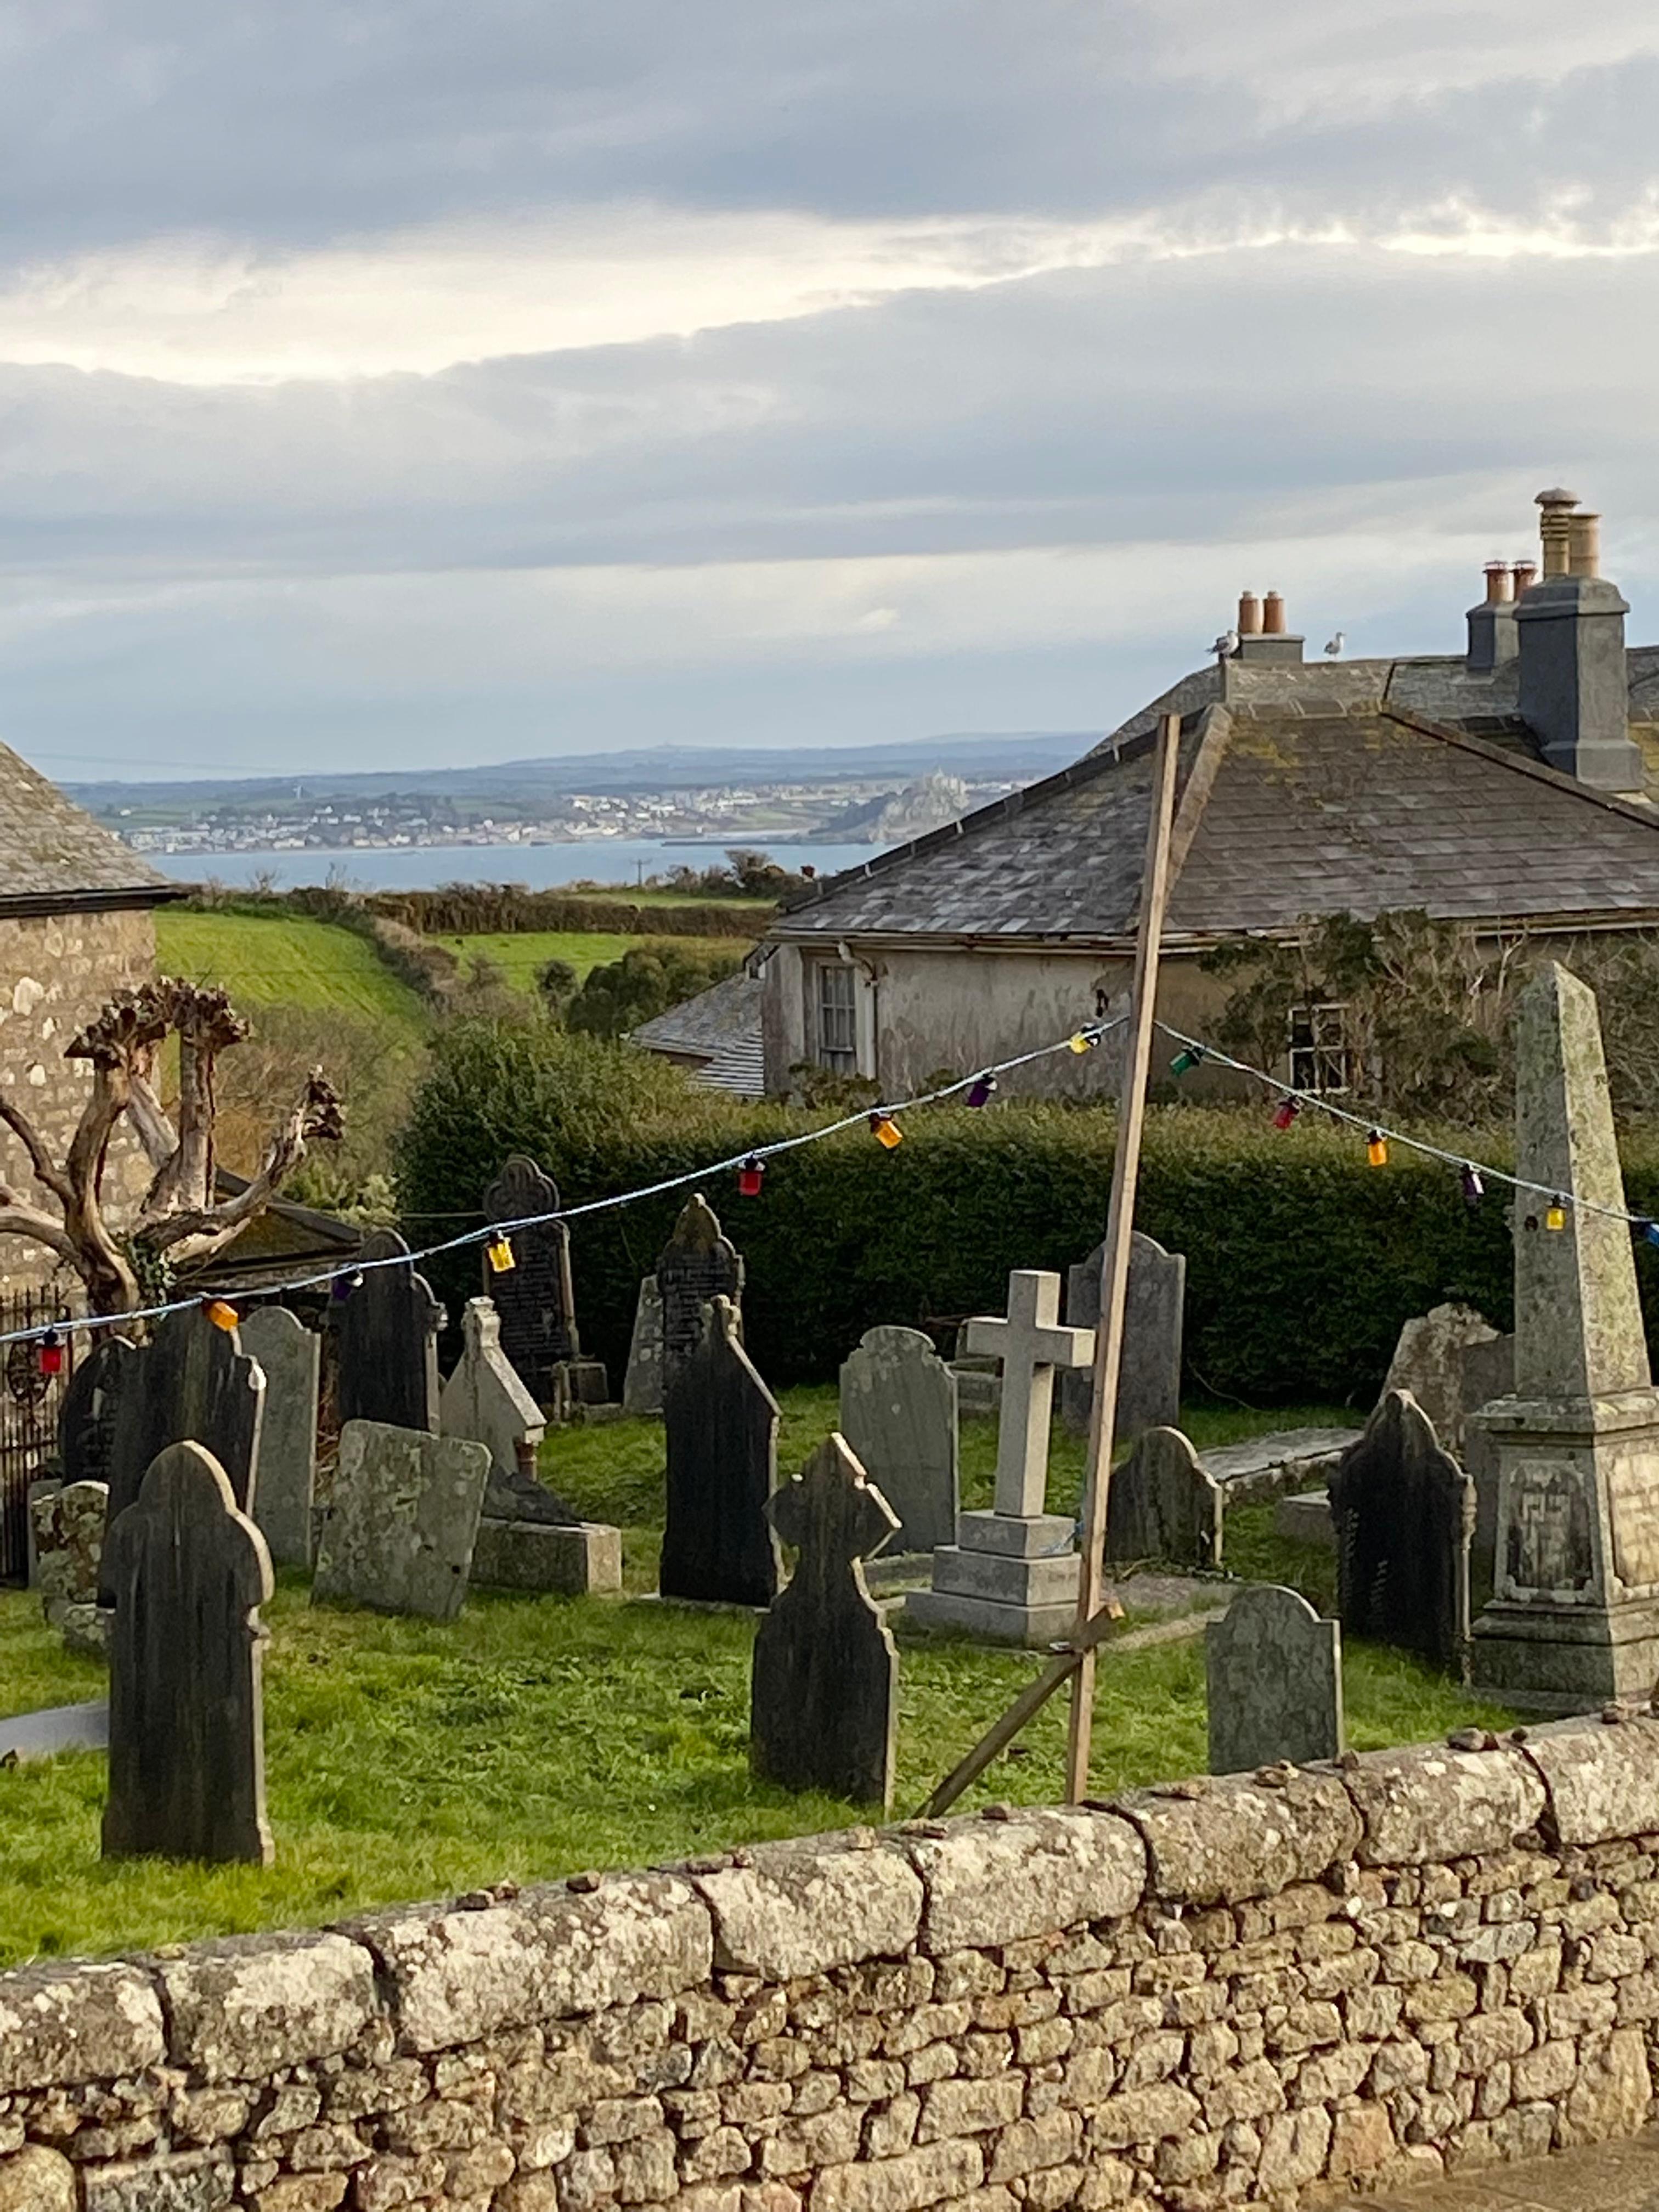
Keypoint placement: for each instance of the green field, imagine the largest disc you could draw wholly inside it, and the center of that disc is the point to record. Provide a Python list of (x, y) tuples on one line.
[(534, 1737), (519, 953), (287, 961)]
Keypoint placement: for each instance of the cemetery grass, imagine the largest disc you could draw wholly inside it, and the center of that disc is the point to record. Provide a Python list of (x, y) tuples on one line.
[(519, 953), (534, 1738)]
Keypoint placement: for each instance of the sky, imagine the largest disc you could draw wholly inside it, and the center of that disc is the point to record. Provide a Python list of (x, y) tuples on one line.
[(430, 383)]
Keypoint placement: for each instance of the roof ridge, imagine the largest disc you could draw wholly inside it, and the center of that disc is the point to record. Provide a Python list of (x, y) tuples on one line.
[(1538, 771)]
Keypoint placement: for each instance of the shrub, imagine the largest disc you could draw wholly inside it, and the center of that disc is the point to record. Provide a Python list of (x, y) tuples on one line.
[(647, 979)]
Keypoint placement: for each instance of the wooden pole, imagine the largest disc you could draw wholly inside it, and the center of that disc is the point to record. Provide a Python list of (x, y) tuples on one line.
[(1114, 1267)]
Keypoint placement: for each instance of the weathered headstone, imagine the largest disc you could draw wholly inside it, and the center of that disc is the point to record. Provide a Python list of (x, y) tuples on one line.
[(695, 1264), (69, 1526), (1403, 1513), (189, 1573), (193, 1383), (1274, 1670), (1154, 1315), (536, 1297), (1012, 1574), (85, 1418), (402, 1521), (823, 1704), (1430, 1360), (388, 1340), (290, 1358), (721, 1425), (1161, 1505), (898, 1414), (1574, 1617), (642, 1384), (486, 1399), (1488, 1375)]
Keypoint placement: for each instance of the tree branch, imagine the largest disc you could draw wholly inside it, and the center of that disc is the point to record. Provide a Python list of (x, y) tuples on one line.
[(195, 1233), (149, 1118), (46, 1171), (18, 1218)]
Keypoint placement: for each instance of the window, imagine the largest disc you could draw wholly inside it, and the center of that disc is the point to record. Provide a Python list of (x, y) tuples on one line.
[(838, 1035), (1321, 1058)]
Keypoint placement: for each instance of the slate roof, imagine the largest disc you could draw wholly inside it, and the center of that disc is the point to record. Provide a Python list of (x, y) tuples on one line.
[(706, 1023), (54, 856)]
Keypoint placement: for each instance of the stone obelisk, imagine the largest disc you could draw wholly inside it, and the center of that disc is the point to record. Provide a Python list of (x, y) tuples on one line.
[(1574, 1617)]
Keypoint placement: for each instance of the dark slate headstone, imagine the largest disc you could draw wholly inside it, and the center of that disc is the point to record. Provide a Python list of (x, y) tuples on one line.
[(1404, 1514), (193, 1383), (1149, 1372), (388, 1341), (697, 1264), (534, 1298), (721, 1426), (1161, 1505), (86, 1419), (188, 1573), (823, 1703), (1274, 1675)]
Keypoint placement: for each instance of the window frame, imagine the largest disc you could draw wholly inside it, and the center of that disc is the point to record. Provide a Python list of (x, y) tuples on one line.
[(828, 1050), (1321, 1060)]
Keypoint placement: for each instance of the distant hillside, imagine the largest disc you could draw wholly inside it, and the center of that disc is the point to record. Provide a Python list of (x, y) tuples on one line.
[(893, 817)]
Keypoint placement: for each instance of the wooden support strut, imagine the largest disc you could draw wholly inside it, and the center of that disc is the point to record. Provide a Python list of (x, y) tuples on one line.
[(1075, 1664)]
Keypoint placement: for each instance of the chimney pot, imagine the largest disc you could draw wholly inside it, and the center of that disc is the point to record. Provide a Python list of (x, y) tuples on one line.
[(1555, 529), (1249, 615), (1273, 615), (1584, 544), (1526, 575), (1498, 583)]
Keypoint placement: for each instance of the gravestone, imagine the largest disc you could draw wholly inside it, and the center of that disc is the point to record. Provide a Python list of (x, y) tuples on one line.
[(898, 1414), (1403, 1511), (642, 1384), (1013, 1573), (85, 1418), (536, 1298), (721, 1425), (402, 1521), (1430, 1360), (1488, 1375), (485, 1399), (189, 1573), (290, 1358), (1149, 1371), (192, 1383), (1273, 1671), (1161, 1505), (388, 1341), (69, 1527), (823, 1703), (695, 1264), (1573, 1621)]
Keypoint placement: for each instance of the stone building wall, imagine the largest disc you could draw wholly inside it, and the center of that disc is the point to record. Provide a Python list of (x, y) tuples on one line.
[(1217, 1993), (56, 971)]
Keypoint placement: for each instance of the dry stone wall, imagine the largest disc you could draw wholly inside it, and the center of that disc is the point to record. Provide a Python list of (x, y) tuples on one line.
[(1272, 1988)]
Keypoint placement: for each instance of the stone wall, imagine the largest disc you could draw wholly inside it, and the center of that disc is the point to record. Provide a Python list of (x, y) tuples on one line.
[(1213, 1993), (56, 971)]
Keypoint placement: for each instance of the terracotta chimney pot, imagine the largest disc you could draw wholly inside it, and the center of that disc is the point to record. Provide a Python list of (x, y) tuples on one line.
[(1584, 544), (1273, 615), (1526, 575), (1249, 615), (1498, 583)]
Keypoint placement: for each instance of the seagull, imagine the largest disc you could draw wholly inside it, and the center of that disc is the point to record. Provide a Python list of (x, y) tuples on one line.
[(1226, 644), (1333, 646)]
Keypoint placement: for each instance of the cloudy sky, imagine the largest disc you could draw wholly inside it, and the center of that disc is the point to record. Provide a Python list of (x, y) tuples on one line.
[(426, 382)]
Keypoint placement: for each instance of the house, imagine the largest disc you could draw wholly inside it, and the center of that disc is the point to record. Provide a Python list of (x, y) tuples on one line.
[(715, 1038), (76, 909), (1511, 786)]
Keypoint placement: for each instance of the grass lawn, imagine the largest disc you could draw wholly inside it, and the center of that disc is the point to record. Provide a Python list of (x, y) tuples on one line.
[(519, 953), (537, 1737), (286, 960)]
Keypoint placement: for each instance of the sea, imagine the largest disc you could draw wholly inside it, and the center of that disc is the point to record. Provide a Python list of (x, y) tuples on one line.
[(627, 860)]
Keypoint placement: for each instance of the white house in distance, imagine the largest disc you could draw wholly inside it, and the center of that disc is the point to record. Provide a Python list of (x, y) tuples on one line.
[(1511, 786)]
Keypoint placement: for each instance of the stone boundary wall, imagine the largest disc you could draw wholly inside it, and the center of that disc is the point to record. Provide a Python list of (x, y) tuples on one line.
[(1211, 1993)]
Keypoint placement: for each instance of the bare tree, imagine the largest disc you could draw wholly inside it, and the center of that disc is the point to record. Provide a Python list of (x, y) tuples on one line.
[(180, 1218)]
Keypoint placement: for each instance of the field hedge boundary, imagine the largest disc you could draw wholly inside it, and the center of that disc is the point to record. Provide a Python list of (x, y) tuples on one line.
[(510, 910)]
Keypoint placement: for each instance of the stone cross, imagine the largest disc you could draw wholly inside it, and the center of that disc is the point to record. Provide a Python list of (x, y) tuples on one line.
[(824, 1699), (388, 1342), (189, 1573), (194, 1382), (1032, 1344), (290, 1358), (1274, 1676), (696, 1264), (721, 1427)]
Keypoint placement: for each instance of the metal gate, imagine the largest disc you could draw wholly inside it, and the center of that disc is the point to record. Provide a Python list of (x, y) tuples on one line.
[(28, 1420)]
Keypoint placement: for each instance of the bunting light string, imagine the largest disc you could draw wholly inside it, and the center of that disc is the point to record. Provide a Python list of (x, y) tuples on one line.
[(750, 1165)]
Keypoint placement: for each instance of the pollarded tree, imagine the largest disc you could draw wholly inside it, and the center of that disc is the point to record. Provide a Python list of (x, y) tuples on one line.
[(180, 1218)]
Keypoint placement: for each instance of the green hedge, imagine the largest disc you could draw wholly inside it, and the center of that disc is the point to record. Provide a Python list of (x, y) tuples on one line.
[(494, 909), (1303, 1261)]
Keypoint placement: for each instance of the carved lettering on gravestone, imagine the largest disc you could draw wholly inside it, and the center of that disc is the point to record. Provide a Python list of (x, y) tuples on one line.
[(86, 1419), (721, 1427), (1274, 1670), (1161, 1504), (1547, 1517), (193, 1383), (188, 1573), (642, 1383), (1403, 1512), (534, 1298), (388, 1341), (290, 1358), (898, 1414), (1633, 1500), (823, 1705), (403, 1521), (696, 1264), (1149, 1370)]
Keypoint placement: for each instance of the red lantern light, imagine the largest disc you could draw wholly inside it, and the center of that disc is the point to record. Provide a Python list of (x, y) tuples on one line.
[(750, 1176), (51, 1353), (1286, 1112)]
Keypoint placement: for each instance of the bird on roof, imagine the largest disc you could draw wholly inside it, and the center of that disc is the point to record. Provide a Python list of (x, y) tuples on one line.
[(1226, 644), (1334, 645)]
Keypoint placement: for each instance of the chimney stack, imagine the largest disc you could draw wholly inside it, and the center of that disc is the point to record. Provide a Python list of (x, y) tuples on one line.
[(1249, 615), (1261, 633), (1575, 683), (1492, 638)]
